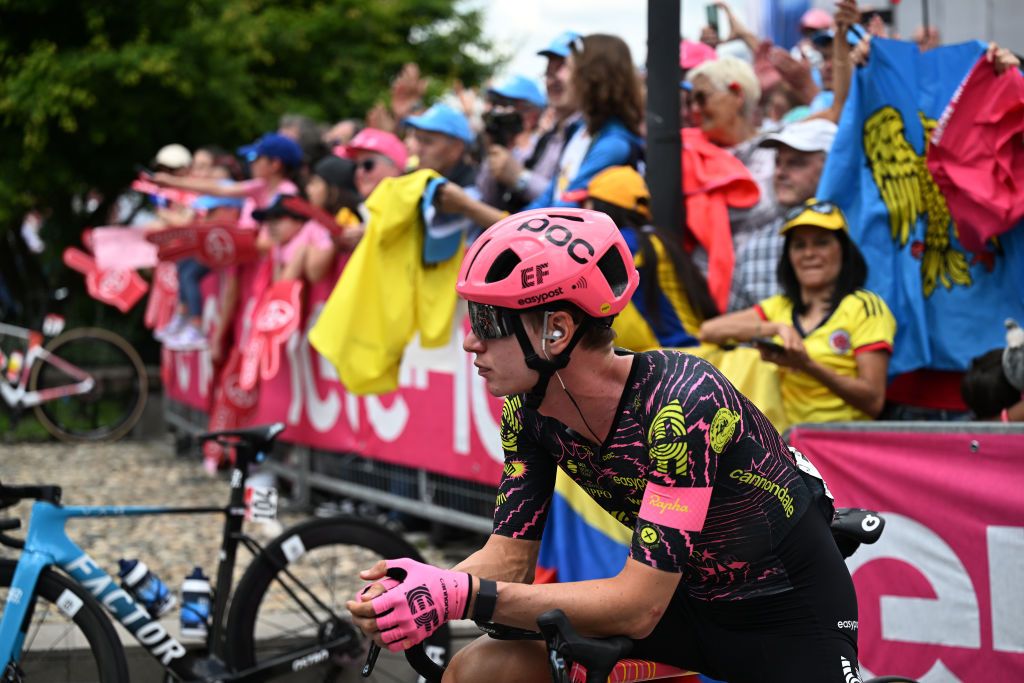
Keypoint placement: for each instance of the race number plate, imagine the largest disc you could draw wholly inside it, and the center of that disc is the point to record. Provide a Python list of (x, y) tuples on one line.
[(260, 503)]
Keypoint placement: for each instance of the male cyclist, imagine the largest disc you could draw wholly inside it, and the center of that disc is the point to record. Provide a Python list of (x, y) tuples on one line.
[(732, 569)]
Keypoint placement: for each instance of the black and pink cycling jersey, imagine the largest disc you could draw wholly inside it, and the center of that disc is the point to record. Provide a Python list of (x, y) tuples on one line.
[(699, 474)]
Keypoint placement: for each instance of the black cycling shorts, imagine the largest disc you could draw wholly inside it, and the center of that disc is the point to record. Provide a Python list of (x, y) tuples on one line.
[(806, 634)]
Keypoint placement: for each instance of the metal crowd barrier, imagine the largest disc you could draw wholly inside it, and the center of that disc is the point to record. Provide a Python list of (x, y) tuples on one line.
[(455, 502)]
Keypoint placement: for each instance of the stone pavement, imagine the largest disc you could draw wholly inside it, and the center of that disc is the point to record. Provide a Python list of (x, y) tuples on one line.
[(147, 473), (141, 473)]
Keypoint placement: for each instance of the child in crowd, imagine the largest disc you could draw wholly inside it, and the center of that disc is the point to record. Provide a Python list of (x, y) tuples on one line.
[(272, 159), (330, 187), (291, 235), (184, 331)]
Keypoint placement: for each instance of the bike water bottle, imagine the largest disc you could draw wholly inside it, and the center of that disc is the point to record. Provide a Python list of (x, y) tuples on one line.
[(195, 604), (146, 587)]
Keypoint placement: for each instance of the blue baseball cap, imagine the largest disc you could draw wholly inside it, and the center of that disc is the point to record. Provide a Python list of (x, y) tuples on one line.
[(443, 118), (520, 88), (274, 146), (561, 45)]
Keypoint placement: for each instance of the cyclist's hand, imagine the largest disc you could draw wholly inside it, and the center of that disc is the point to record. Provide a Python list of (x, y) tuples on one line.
[(426, 598), (361, 607), (380, 582)]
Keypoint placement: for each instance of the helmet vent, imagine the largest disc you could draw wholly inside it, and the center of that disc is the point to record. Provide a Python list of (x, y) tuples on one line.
[(565, 217), (503, 266), (614, 271)]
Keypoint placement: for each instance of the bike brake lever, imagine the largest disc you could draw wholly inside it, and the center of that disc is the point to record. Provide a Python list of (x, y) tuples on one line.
[(371, 660)]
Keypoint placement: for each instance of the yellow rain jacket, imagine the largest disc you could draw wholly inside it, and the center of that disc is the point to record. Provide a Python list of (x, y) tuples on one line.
[(385, 294)]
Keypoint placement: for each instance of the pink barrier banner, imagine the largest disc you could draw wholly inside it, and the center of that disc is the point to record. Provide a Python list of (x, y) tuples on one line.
[(941, 595), (441, 419)]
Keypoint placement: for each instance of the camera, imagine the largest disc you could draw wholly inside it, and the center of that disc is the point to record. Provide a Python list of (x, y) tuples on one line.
[(502, 125)]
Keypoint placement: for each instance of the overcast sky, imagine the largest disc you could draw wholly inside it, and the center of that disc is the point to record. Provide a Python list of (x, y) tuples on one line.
[(521, 27)]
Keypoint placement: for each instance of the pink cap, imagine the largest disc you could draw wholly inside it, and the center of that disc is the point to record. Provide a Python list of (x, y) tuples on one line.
[(693, 54), (816, 18), (380, 142)]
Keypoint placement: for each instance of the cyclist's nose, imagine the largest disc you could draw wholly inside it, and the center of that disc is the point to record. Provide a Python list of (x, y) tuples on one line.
[(473, 344)]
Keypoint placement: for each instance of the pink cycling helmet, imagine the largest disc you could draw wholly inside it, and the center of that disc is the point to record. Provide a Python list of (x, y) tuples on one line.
[(549, 255)]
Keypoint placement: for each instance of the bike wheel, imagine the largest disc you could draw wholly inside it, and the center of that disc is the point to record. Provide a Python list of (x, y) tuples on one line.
[(115, 403), (271, 615), (58, 647)]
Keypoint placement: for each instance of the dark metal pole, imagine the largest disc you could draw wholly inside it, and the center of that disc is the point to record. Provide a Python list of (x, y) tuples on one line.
[(924, 15), (664, 168)]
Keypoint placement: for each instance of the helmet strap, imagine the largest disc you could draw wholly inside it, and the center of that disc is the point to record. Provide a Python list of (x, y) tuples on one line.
[(545, 367)]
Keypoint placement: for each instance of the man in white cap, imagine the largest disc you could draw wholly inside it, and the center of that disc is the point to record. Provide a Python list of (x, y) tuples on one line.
[(801, 149), (173, 158)]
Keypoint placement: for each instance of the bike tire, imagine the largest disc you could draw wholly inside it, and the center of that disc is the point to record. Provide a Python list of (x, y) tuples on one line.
[(335, 549), (104, 658), (119, 396)]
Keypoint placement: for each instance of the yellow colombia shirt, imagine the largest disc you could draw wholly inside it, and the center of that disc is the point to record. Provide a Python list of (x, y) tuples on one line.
[(862, 322)]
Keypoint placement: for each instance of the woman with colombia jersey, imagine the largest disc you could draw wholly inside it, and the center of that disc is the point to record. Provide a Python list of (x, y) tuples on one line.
[(836, 337), (732, 570)]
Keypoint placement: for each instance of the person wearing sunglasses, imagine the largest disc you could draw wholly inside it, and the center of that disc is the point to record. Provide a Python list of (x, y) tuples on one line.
[(377, 155), (831, 338), (731, 551)]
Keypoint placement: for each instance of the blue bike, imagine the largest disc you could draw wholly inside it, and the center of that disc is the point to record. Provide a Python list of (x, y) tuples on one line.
[(286, 616)]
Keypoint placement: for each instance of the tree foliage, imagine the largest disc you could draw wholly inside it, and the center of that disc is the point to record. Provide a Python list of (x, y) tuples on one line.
[(88, 89)]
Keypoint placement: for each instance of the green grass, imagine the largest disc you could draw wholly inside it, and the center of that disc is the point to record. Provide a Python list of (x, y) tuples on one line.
[(27, 429)]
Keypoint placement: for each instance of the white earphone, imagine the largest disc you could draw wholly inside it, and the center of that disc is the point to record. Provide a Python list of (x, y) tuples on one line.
[(555, 334)]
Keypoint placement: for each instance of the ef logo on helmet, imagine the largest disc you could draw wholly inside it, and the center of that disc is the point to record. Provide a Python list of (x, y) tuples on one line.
[(560, 236)]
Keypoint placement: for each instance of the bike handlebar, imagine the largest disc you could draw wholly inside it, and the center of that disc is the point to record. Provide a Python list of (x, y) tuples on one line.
[(9, 495), (9, 541)]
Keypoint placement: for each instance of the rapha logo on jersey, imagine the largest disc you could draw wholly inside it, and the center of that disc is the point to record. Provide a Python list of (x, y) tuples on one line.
[(850, 672), (839, 341), (534, 275), (219, 246), (579, 249), (540, 298), (113, 282), (422, 608), (275, 316)]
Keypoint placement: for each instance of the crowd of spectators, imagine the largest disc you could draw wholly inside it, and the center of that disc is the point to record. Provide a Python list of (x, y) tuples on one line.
[(762, 261)]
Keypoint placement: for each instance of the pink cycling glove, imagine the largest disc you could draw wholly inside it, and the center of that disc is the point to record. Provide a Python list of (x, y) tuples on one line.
[(426, 598)]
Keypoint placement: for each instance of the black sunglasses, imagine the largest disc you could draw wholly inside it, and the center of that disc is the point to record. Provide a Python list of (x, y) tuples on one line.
[(488, 322), (367, 164)]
